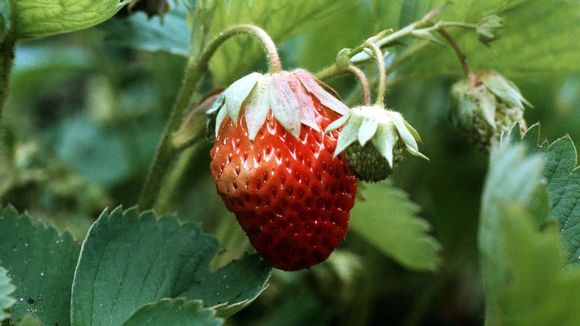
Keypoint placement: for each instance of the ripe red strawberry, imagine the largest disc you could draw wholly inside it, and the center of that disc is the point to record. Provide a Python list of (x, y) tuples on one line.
[(289, 194)]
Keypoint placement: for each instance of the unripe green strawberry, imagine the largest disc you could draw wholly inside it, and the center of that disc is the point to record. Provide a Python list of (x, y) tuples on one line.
[(374, 141), (273, 166), (486, 107), (368, 164)]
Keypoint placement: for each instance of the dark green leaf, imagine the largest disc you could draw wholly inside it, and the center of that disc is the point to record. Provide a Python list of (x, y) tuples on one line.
[(219, 288), (128, 261), (174, 312), (563, 176), (41, 263), (388, 220)]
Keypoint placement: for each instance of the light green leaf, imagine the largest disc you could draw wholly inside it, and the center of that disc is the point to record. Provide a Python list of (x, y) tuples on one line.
[(388, 220), (512, 179), (174, 312), (536, 288), (168, 34), (563, 177), (41, 263), (553, 25), (130, 260), (281, 19), (40, 18), (6, 288)]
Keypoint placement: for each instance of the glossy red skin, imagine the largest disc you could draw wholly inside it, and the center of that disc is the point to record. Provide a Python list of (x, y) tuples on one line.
[(291, 197)]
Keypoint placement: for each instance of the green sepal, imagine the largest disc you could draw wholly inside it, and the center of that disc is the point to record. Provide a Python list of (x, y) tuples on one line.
[(257, 107), (348, 134), (337, 123), (487, 103), (504, 89), (236, 94), (284, 105), (385, 142), (367, 130), (222, 114)]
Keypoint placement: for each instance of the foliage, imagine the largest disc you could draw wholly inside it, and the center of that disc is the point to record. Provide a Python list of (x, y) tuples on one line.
[(442, 242), (514, 240), (396, 230)]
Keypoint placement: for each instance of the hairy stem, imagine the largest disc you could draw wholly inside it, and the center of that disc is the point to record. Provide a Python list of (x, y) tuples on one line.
[(458, 51), (382, 87), (195, 69), (363, 81)]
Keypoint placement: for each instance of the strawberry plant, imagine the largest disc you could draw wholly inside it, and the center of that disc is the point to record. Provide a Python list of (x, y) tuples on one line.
[(209, 162)]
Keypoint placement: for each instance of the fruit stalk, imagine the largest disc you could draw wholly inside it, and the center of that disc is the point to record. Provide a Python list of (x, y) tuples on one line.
[(382, 87), (196, 67), (363, 81), (458, 52)]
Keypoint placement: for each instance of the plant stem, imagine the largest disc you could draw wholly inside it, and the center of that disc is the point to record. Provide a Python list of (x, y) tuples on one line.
[(458, 52), (364, 83), (196, 67), (382, 87), (6, 59)]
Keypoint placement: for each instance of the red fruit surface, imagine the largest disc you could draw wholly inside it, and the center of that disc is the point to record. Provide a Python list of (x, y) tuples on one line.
[(291, 196)]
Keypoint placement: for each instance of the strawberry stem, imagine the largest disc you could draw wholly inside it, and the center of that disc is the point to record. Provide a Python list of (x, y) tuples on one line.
[(380, 59), (274, 63), (195, 69), (458, 52), (364, 82)]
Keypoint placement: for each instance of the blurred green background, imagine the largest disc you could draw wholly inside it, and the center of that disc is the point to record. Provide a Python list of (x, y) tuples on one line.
[(87, 110)]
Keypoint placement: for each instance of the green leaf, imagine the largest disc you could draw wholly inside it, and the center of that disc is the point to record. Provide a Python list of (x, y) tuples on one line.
[(531, 295), (388, 220), (280, 19), (217, 289), (174, 312), (34, 18), (41, 263), (563, 177), (6, 288), (170, 33), (130, 260), (553, 25), (512, 179)]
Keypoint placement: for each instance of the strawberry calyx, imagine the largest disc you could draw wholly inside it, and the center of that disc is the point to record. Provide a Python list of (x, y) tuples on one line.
[(287, 95), (487, 105), (386, 132)]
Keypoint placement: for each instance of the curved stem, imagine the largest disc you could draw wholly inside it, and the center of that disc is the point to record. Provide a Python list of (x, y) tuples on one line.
[(196, 67), (364, 83), (7, 45), (274, 63), (458, 52), (382, 87)]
